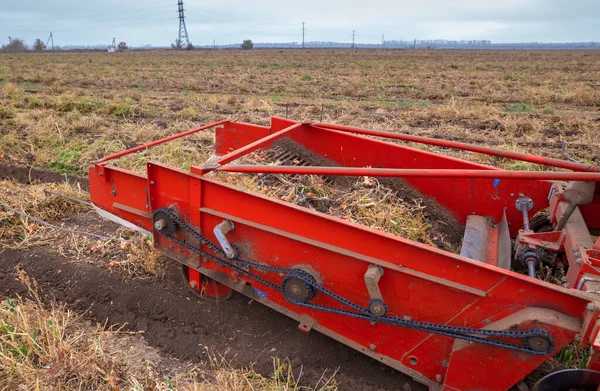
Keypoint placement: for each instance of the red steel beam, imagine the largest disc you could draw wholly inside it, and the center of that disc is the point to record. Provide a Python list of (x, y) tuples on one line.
[(418, 173), (466, 147), (157, 142), (257, 144)]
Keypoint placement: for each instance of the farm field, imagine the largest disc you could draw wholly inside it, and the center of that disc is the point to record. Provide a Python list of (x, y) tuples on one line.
[(61, 111)]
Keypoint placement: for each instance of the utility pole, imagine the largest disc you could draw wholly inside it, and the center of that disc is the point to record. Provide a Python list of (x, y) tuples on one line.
[(382, 40), (113, 46), (10, 40), (50, 39), (415, 44), (303, 32), (214, 43), (183, 38), (353, 35)]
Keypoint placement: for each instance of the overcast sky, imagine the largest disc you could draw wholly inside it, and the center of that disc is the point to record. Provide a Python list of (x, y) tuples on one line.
[(138, 22)]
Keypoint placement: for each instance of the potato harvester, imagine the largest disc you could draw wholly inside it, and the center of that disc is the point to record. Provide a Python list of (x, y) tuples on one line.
[(465, 321)]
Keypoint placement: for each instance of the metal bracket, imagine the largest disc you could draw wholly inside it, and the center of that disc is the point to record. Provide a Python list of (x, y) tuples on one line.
[(372, 276), (220, 232)]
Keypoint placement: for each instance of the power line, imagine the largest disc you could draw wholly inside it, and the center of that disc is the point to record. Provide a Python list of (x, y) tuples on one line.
[(87, 27), (183, 34), (77, 18)]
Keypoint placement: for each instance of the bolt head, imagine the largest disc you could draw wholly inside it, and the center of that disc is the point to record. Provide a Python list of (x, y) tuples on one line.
[(591, 307)]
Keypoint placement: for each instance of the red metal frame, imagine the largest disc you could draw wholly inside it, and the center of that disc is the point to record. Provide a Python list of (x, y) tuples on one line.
[(421, 282)]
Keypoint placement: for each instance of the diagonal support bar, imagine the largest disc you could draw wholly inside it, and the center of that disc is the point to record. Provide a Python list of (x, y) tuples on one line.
[(157, 142), (257, 144), (546, 161)]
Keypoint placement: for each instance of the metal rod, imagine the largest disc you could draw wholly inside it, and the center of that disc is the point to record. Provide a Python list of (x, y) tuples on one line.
[(413, 173), (465, 147), (531, 268), (68, 198), (157, 142), (255, 145), (525, 220), (47, 224)]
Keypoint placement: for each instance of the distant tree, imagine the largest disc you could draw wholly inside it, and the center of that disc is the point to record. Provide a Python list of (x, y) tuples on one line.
[(122, 46), (247, 44), (39, 45), (15, 45), (190, 47)]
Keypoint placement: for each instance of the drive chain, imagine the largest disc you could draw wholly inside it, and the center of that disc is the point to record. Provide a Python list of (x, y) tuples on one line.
[(243, 267)]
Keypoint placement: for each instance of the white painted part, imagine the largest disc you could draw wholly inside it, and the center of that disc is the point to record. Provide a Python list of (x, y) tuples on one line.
[(120, 221)]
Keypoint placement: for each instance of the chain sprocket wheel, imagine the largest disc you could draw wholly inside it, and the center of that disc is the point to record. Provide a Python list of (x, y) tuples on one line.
[(296, 289), (163, 222), (205, 287), (378, 308)]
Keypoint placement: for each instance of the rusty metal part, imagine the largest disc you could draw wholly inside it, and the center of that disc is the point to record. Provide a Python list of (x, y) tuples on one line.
[(163, 223)]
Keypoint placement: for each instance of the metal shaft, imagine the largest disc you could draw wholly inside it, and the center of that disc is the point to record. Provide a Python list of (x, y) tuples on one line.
[(531, 268)]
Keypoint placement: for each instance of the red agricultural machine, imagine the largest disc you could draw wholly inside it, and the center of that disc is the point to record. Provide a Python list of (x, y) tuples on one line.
[(451, 321)]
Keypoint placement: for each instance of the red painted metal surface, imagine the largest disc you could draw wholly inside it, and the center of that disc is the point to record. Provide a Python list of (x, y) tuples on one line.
[(262, 143), (233, 135), (461, 196), (468, 147), (420, 282)]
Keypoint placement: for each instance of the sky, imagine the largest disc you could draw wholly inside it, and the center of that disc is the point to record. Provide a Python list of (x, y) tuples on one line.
[(155, 22)]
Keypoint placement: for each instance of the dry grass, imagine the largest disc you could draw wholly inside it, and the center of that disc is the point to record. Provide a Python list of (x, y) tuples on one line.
[(20, 232), (363, 201), (141, 259), (47, 346), (136, 258), (64, 111)]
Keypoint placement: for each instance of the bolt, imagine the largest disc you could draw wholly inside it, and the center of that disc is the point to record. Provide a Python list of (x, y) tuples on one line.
[(591, 307), (438, 378), (160, 224), (372, 347), (377, 310), (151, 182), (193, 284), (296, 290), (445, 364)]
